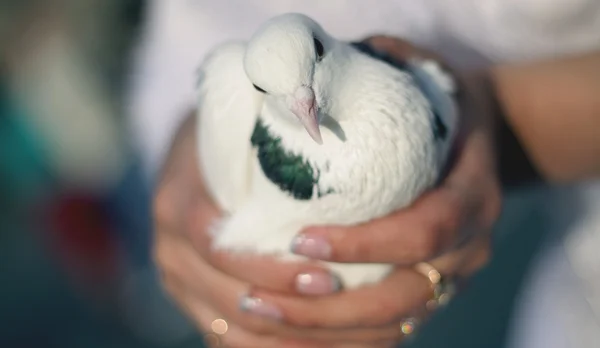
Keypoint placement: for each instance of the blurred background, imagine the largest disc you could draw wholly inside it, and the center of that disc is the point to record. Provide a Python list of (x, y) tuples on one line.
[(75, 227)]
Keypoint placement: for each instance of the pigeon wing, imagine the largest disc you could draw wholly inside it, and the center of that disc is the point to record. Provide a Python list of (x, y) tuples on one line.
[(228, 107)]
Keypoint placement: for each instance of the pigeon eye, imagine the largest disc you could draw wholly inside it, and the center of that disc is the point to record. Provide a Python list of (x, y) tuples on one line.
[(319, 48), (259, 89)]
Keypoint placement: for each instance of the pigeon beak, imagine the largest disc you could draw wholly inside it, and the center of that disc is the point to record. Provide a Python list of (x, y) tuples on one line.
[(304, 106)]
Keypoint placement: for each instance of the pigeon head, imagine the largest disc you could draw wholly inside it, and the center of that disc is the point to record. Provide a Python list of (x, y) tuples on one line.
[(281, 60)]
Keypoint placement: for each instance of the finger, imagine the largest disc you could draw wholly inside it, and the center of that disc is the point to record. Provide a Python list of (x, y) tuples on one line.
[(234, 336), (198, 220), (180, 179), (477, 261), (175, 262), (190, 281), (420, 232), (166, 208), (172, 206), (469, 199), (227, 334), (398, 47), (224, 293), (467, 260), (403, 293), (219, 332), (261, 271), (456, 268), (304, 278), (369, 306)]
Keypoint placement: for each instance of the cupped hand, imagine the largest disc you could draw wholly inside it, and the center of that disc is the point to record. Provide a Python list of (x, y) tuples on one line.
[(183, 212), (297, 304)]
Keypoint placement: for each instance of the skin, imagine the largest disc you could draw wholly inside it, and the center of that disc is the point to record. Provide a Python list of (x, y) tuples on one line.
[(208, 285), (553, 107)]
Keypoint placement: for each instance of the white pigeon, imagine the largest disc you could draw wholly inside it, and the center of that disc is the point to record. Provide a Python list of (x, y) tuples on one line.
[(299, 129)]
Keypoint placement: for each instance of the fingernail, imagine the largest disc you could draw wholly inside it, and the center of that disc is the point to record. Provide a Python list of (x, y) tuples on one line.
[(311, 246), (317, 283), (259, 307)]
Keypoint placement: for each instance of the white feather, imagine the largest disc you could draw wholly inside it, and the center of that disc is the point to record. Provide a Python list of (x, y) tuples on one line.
[(378, 153), (228, 108)]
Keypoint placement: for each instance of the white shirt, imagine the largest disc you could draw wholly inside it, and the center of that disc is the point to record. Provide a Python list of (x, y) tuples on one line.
[(469, 33)]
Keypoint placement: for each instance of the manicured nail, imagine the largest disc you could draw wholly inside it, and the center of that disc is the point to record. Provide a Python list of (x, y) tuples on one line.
[(311, 246), (259, 307), (317, 283)]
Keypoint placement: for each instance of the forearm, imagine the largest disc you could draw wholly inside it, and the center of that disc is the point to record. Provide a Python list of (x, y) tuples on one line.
[(553, 108)]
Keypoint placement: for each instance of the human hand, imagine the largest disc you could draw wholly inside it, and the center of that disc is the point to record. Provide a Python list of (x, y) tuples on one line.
[(183, 211), (431, 226)]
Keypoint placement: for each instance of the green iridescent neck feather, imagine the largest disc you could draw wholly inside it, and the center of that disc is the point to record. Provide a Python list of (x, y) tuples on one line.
[(290, 172)]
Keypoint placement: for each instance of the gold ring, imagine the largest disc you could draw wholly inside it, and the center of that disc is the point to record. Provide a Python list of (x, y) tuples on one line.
[(442, 292), (443, 289), (408, 326), (434, 276)]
